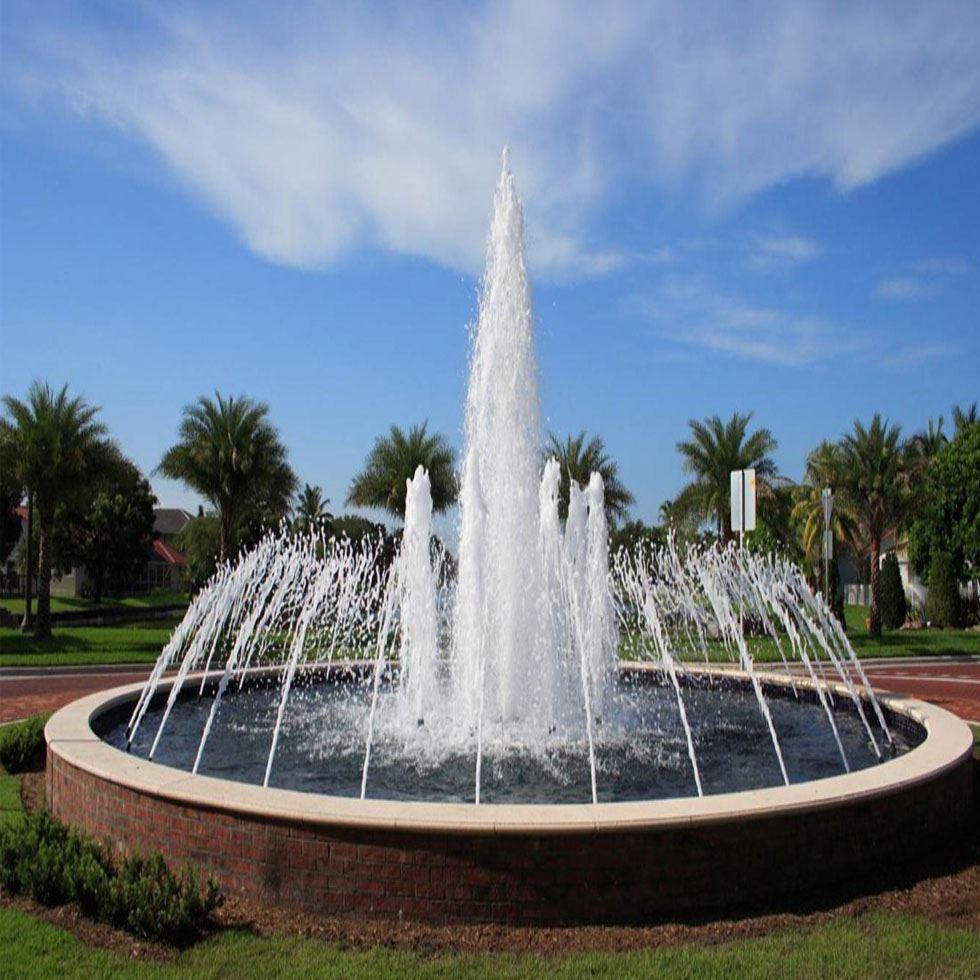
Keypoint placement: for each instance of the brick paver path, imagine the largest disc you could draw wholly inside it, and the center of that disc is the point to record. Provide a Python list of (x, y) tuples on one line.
[(952, 683)]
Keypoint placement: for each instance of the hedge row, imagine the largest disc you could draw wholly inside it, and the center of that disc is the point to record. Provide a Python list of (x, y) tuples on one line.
[(22, 744), (42, 857)]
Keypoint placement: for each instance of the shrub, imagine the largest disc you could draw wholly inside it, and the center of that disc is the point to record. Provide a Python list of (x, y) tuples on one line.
[(894, 608), (41, 857), (147, 899), (943, 606), (836, 592), (22, 744)]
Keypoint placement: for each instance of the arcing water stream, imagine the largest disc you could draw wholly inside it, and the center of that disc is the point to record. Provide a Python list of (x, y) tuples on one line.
[(522, 650)]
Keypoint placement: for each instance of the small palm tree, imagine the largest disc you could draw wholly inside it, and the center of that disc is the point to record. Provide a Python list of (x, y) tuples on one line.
[(714, 450), (579, 457), (57, 441), (394, 459), (231, 454), (311, 509), (874, 481), (824, 468), (963, 417)]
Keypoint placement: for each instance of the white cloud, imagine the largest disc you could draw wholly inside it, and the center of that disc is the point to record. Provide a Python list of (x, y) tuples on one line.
[(902, 287), (771, 253), (339, 125), (915, 355), (693, 312), (943, 266), (924, 278)]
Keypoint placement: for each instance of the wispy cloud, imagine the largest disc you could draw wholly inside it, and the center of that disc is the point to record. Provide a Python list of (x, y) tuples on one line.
[(944, 266), (693, 312), (771, 253), (339, 126), (915, 355), (923, 278), (902, 287)]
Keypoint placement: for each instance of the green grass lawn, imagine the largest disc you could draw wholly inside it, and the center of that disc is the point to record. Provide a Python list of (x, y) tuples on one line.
[(906, 643), (142, 643), (10, 808), (66, 604), (892, 643), (71, 645), (887, 946)]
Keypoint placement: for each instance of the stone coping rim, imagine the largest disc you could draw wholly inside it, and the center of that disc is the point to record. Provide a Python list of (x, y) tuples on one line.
[(70, 737)]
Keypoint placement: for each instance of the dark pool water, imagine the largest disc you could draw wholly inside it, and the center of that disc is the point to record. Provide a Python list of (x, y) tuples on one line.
[(641, 750)]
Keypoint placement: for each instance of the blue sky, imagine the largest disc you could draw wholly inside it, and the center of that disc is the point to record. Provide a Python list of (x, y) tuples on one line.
[(772, 207)]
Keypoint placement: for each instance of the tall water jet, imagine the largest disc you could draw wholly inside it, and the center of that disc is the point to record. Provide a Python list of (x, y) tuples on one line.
[(419, 648), (496, 615)]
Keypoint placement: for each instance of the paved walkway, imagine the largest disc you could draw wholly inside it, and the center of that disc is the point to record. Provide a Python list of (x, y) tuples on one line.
[(31, 691), (952, 683)]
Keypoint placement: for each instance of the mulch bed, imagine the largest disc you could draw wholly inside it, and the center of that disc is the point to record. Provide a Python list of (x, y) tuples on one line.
[(946, 891), (32, 791)]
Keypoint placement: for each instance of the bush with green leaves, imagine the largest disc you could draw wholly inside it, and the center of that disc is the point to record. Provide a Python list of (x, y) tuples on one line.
[(948, 512), (894, 608), (41, 857), (943, 604), (22, 744)]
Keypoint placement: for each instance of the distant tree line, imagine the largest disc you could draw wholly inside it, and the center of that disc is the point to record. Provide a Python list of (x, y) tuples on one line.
[(92, 506)]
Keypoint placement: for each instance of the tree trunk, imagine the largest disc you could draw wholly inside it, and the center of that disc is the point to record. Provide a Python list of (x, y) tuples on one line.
[(226, 531), (42, 624), (874, 620)]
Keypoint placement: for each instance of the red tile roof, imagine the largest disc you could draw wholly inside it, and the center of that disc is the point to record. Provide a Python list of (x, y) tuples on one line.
[(167, 553)]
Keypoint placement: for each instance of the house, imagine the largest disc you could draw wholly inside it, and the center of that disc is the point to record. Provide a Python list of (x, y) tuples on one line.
[(163, 568), (858, 593), (168, 522)]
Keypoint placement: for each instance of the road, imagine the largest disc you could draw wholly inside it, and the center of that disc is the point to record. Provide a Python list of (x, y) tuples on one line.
[(29, 691), (952, 683)]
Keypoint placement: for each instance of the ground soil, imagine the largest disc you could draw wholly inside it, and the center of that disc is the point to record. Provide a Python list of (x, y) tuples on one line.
[(32, 792)]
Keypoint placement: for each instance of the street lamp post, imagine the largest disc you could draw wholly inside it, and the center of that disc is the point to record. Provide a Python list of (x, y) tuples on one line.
[(827, 500), (25, 625)]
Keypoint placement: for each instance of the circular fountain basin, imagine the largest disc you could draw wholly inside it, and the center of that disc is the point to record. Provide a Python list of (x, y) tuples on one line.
[(640, 744), (631, 860)]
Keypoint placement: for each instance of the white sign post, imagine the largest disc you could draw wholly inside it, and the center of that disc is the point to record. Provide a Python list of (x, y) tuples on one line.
[(743, 503)]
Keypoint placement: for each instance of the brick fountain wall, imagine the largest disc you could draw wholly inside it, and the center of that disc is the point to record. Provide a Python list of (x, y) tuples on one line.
[(523, 878)]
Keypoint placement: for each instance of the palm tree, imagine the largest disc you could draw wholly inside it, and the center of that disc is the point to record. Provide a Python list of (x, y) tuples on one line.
[(580, 457), (58, 441), (231, 454), (668, 514), (824, 468), (963, 417), (394, 459), (924, 445), (714, 450), (11, 493), (874, 482), (311, 509)]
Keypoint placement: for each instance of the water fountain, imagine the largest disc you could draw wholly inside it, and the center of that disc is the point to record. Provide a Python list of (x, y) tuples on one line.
[(541, 712)]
